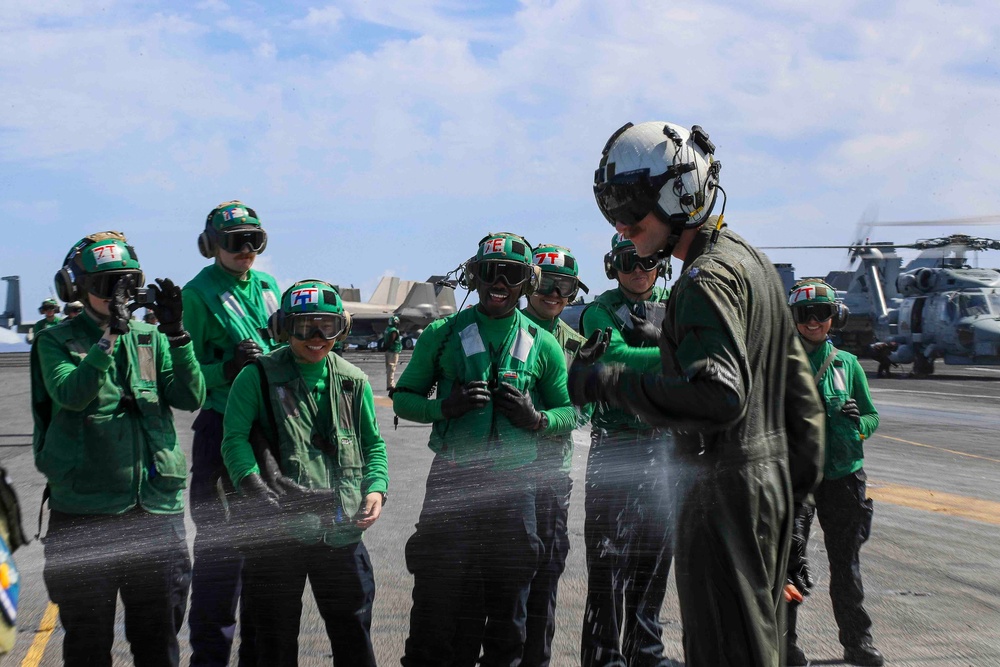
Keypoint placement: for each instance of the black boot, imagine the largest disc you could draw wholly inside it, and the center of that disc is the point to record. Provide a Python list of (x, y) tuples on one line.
[(794, 657), (863, 654)]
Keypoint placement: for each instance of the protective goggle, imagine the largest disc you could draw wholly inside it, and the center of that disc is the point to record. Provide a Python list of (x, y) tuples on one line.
[(821, 312), (236, 240), (512, 273), (631, 196), (627, 262), (49, 307), (566, 286), (306, 325), (102, 285)]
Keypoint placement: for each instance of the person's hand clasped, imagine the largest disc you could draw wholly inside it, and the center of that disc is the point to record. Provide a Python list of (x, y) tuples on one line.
[(465, 398), (517, 407)]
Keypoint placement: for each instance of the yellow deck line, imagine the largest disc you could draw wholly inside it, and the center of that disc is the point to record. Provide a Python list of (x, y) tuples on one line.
[(45, 628), (940, 449), (950, 504)]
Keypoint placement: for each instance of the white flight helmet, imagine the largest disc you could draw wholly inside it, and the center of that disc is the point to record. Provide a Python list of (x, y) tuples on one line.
[(659, 168)]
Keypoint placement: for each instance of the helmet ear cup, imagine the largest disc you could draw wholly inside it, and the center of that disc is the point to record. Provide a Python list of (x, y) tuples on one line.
[(840, 316), (276, 327), (534, 279), (661, 268), (347, 328), (468, 279), (609, 268), (205, 245), (66, 288)]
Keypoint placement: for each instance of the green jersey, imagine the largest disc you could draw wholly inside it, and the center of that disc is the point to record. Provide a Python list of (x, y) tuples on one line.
[(391, 340)]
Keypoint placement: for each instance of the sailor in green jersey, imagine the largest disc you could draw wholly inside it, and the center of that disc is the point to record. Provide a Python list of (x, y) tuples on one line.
[(844, 511), (317, 414), (48, 309), (105, 441), (734, 386), (226, 308), (72, 309), (626, 530), (392, 343), (476, 531)]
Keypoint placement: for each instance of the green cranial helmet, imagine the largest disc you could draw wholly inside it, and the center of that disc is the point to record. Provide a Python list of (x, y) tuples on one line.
[(50, 303), (621, 244), (231, 214), (811, 291), (393, 320), (504, 247), (311, 296), (107, 251), (556, 259)]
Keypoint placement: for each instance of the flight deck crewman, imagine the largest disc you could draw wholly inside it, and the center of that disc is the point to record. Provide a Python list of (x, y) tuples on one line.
[(735, 387), (317, 412), (48, 310), (476, 530), (105, 441), (226, 306), (393, 345), (627, 525), (844, 511)]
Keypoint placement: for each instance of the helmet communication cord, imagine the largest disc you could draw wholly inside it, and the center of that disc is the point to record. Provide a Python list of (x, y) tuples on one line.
[(722, 215)]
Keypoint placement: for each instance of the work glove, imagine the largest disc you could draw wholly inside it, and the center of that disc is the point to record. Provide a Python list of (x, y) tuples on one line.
[(297, 499), (244, 353), (642, 333), (168, 307), (465, 398), (259, 501), (594, 348), (851, 410), (119, 312), (518, 408), (585, 375), (798, 561)]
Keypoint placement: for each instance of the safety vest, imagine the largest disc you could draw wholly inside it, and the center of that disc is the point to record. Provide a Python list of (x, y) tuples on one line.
[(394, 346), (114, 453), (313, 454), (845, 451), (484, 435), (237, 314)]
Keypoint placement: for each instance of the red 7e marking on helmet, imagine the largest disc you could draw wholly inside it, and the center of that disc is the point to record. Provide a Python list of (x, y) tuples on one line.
[(301, 297), (493, 246), (552, 258)]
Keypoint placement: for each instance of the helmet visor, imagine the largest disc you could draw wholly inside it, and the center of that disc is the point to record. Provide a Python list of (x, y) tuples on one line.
[(242, 240), (627, 262), (550, 283), (512, 273), (102, 285), (821, 312), (306, 325), (629, 197)]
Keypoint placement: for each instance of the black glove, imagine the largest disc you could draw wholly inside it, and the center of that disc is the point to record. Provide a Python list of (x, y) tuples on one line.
[(168, 307), (259, 500), (642, 333), (586, 383), (298, 499), (244, 353), (594, 348), (465, 398), (119, 312), (518, 408), (852, 411), (798, 562)]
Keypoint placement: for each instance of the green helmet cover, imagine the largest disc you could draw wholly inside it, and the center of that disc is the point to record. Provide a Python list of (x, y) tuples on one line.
[(556, 259), (311, 296), (50, 303), (107, 254), (620, 244), (231, 214), (810, 291), (393, 320), (504, 246)]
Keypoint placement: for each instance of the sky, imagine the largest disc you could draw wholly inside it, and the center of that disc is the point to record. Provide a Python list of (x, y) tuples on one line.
[(378, 138)]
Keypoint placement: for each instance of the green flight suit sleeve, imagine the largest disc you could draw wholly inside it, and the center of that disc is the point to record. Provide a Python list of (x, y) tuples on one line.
[(710, 393), (72, 387), (410, 401), (376, 468), (805, 423), (198, 321), (619, 352), (552, 389), (861, 394), (242, 409), (179, 378)]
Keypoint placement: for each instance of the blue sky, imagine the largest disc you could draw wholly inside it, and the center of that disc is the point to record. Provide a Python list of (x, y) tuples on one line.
[(378, 138)]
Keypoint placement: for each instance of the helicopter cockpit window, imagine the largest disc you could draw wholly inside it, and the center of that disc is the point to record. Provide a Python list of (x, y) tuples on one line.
[(995, 303), (971, 305)]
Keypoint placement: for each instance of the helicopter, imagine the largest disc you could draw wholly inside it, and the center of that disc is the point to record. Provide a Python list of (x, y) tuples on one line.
[(935, 307)]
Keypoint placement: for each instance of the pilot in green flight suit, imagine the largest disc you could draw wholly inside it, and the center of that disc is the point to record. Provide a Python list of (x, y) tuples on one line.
[(103, 389), (49, 308), (735, 387), (841, 502), (317, 414), (626, 530), (476, 532), (226, 308)]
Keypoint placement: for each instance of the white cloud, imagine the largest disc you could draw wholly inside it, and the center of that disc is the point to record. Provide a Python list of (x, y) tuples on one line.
[(326, 18)]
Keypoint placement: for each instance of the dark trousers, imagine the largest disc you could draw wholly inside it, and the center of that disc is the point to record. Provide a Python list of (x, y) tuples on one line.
[(343, 585), (845, 514), (628, 540), (218, 563), (90, 560), (476, 535), (552, 494)]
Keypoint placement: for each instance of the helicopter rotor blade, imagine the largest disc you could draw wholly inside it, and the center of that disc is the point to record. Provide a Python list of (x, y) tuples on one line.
[(951, 222)]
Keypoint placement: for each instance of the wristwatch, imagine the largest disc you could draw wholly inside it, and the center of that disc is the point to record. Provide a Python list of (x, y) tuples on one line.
[(104, 345)]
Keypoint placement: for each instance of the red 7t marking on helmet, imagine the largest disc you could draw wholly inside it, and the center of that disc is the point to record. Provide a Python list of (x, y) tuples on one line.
[(547, 258), (804, 294)]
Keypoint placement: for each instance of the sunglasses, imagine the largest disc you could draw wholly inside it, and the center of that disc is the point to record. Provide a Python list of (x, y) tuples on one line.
[(235, 240), (631, 196), (627, 262), (821, 312), (566, 286), (512, 273), (102, 285), (306, 325)]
